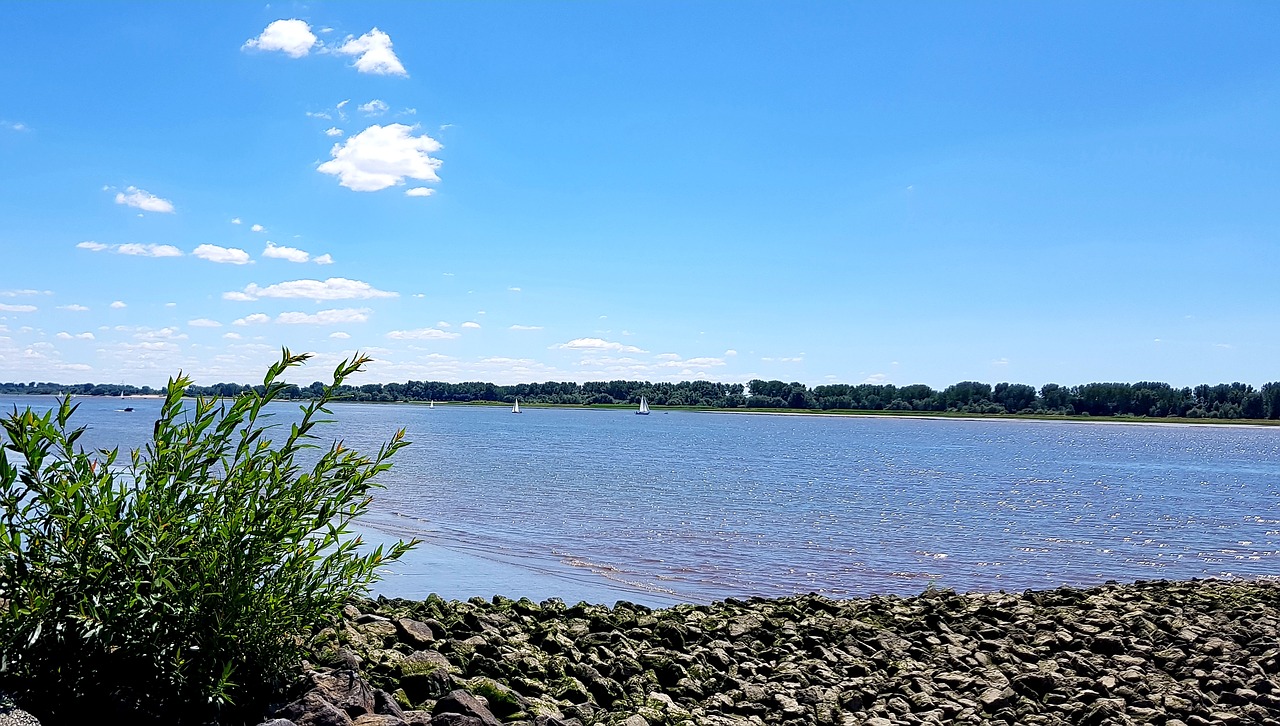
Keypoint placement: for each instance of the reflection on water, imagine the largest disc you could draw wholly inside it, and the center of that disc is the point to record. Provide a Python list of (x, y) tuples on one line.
[(601, 505)]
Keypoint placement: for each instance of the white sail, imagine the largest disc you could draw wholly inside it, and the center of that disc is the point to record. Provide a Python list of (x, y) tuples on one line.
[(516, 408), (431, 404), (644, 407)]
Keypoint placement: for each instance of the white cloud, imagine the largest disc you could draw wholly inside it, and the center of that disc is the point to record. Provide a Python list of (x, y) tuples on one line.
[(279, 252), (525, 327), (323, 260), (333, 131), (24, 293), (383, 156), (471, 324), (514, 289), (731, 352), (292, 37), (257, 228), (231, 336), (14, 125), (376, 107), (4, 307), (334, 288), (254, 319), (339, 335), (419, 192), (236, 220), (422, 334), (877, 379), (375, 54), (597, 344), (325, 317), (318, 114), (118, 304), (144, 200), (443, 324), (74, 308), (171, 304), (668, 356), (91, 245), (227, 255), (204, 323)]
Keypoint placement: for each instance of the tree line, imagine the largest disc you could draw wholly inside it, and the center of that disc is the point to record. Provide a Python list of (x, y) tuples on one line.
[(1150, 399)]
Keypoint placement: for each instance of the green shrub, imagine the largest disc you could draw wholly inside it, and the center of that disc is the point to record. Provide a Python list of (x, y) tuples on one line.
[(175, 587)]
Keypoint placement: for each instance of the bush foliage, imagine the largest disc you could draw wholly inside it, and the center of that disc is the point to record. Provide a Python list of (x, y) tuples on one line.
[(174, 587)]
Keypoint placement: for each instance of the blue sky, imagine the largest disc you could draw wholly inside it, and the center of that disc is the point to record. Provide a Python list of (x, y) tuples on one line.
[(904, 192)]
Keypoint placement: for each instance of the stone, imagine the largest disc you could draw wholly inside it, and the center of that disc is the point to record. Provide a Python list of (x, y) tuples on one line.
[(313, 710), (461, 702), (415, 632), (347, 690)]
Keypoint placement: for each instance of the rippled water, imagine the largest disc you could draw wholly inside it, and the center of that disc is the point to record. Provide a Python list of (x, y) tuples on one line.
[(602, 505)]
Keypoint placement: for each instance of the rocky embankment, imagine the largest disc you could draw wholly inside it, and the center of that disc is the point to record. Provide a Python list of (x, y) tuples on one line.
[(1170, 653)]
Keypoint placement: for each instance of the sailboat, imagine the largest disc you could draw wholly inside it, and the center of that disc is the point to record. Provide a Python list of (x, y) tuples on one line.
[(516, 408), (644, 407), (126, 409), (431, 404)]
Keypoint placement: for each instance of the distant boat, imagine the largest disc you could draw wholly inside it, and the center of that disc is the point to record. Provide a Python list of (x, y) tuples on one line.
[(126, 409), (644, 407), (431, 404), (516, 408)]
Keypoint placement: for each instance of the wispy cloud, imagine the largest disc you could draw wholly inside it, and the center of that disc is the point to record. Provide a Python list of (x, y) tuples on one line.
[(422, 334), (73, 307), (471, 324), (376, 107), (383, 156), (7, 308), (64, 335), (133, 249), (334, 288), (597, 344), (525, 327), (325, 317), (204, 323), (118, 305), (292, 37)]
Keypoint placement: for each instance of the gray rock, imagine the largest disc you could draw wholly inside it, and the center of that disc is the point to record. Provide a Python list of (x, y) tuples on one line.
[(415, 632), (461, 702)]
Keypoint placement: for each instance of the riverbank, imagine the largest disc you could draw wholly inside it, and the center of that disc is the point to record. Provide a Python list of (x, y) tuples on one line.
[(1173, 653)]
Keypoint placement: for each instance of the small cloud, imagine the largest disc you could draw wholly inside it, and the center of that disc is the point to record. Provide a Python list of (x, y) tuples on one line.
[(471, 324), (419, 192), (1224, 346), (24, 293), (147, 250), (323, 260), (14, 125), (525, 327), (6, 308), (319, 114), (334, 288), (731, 352), (877, 379), (597, 344), (257, 228), (513, 289), (74, 308), (292, 37), (374, 54), (225, 255), (254, 319), (118, 305), (1157, 340), (333, 131), (231, 336), (235, 220), (171, 304), (443, 324), (292, 254), (668, 356), (91, 245), (339, 335), (421, 334), (1000, 362), (383, 156), (144, 200), (78, 336), (376, 107), (204, 323)]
